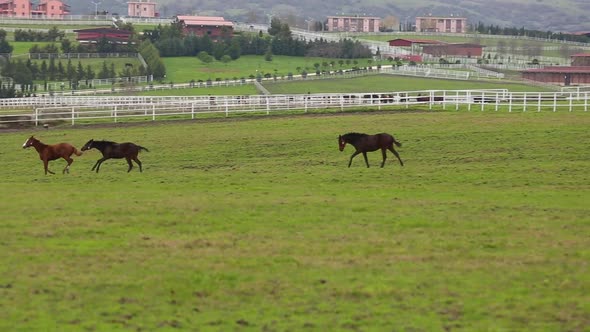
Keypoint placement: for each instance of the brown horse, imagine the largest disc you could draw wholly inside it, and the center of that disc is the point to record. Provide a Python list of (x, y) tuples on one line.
[(52, 152), (364, 143), (109, 150)]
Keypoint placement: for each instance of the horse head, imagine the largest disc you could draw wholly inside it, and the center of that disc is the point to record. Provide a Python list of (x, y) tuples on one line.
[(341, 143), (29, 142), (88, 145)]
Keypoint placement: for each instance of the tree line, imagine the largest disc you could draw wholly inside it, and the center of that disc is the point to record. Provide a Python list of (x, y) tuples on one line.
[(25, 72), (513, 31), (171, 42)]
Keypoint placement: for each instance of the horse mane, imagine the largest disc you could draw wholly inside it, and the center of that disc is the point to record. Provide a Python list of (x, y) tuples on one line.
[(353, 137), (103, 142)]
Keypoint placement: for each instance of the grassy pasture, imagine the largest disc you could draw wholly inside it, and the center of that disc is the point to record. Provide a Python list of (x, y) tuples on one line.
[(386, 83), (491, 41), (185, 69), (246, 224), (375, 83)]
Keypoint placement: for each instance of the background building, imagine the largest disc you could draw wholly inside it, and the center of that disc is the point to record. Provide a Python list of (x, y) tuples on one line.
[(460, 50), (354, 23), (141, 8), (581, 59), (559, 75), (441, 24), (25, 8), (94, 35), (214, 26)]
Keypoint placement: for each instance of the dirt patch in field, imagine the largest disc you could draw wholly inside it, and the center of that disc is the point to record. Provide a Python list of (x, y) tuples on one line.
[(234, 118)]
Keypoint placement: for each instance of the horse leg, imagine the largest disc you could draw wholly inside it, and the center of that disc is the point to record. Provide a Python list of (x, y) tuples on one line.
[(130, 164), (384, 153), (67, 169), (366, 160), (138, 163), (396, 154), (46, 165), (353, 155), (99, 162)]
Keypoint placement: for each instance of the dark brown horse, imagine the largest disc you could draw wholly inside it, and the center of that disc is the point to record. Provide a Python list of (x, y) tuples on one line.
[(52, 152), (109, 150), (364, 143)]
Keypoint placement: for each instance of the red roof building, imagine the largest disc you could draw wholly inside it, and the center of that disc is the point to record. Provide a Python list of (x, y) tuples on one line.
[(559, 75), (213, 26), (92, 36), (400, 42), (581, 59), (460, 50)]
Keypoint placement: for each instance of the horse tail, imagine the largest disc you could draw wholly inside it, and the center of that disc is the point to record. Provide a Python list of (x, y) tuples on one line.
[(396, 142), (142, 148), (77, 153)]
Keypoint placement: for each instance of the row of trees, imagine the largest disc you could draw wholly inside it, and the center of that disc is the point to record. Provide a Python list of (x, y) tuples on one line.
[(170, 41), (25, 72), (513, 31), (28, 35)]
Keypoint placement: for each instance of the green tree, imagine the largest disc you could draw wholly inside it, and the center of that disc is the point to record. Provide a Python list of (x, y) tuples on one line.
[(104, 71), (89, 74)]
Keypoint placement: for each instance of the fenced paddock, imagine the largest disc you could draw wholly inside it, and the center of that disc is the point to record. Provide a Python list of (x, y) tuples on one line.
[(80, 110)]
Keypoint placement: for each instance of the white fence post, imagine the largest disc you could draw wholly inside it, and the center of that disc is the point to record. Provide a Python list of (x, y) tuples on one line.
[(193, 110), (571, 101), (115, 113), (539, 103), (554, 102), (73, 112), (524, 103), (36, 117), (585, 101)]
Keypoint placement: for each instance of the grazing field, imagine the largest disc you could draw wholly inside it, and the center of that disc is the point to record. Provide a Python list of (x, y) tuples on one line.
[(387, 83), (185, 69), (257, 224)]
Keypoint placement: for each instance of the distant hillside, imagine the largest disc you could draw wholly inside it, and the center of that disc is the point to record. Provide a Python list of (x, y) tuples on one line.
[(563, 15)]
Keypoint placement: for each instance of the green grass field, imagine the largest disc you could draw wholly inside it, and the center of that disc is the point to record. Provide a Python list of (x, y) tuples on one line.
[(387, 83), (257, 224), (185, 69)]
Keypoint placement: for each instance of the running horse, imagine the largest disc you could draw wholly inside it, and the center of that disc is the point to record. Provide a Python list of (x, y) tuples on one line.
[(109, 150), (364, 143), (48, 153)]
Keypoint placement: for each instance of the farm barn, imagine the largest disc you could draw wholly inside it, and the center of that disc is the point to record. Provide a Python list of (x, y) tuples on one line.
[(214, 26), (581, 59), (400, 42), (559, 75), (92, 36), (466, 50)]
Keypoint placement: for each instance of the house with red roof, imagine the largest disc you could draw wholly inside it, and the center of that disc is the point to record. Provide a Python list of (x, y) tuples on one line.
[(559, 75), (581, 59), (213, 26), (403, 42), (93, 35)]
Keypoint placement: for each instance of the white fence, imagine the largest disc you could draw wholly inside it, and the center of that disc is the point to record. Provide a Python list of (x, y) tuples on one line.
[(114, 109)]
